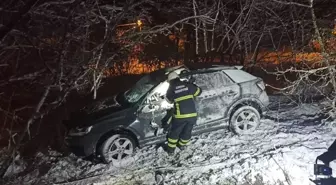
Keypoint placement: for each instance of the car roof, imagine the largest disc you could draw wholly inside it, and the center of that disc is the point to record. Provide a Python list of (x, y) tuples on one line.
[(208, 65), (240, 76), (234, 72), (161, 74)]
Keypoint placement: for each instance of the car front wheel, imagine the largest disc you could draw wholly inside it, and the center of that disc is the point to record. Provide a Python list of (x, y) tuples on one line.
[(117, 148), (244, 120)]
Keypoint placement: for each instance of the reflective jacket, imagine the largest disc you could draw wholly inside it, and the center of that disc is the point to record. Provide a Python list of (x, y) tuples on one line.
[(182, 94)]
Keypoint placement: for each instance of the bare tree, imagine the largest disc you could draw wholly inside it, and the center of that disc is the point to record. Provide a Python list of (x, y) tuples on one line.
[(315, 76), (196, 26), (51, 48)]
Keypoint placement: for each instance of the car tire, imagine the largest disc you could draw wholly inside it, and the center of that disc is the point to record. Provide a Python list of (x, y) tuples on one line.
[(244, 120), (117, 149)]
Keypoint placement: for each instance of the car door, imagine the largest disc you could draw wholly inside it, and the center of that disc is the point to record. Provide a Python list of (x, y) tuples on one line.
[(218, 91), (154, 109)]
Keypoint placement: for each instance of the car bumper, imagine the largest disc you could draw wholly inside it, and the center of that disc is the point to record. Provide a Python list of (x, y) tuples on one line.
[(264, 99), (264, 111), (81, 145)]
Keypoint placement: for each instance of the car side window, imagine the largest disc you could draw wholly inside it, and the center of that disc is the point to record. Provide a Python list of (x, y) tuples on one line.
[(220, 79), (213, 80), (201, 81), (156, 101)]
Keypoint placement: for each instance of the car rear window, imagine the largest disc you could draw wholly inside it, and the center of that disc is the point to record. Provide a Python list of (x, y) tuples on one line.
[(239, 76)]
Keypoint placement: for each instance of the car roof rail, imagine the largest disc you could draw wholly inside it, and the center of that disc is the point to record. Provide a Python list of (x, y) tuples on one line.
[(239, 67), (211, 68), (228, 67)]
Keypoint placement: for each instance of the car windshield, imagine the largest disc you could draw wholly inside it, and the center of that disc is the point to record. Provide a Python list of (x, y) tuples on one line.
[(145, 84)]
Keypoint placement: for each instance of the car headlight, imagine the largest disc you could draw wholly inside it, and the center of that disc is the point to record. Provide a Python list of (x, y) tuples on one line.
[(80, 131)]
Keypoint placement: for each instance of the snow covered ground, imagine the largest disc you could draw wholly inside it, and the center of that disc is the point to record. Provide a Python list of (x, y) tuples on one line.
[(283, 149)]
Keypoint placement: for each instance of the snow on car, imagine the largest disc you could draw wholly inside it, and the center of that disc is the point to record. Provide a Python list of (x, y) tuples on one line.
[(230, 98), (281, 151)]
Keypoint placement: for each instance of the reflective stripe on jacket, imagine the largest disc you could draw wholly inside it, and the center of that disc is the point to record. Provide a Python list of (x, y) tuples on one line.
[(182, 94)]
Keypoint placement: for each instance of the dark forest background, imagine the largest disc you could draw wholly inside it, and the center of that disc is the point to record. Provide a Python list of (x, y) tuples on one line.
[(58, 55)]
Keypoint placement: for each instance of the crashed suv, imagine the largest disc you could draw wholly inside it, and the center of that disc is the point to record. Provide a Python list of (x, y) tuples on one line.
[(113, 128)]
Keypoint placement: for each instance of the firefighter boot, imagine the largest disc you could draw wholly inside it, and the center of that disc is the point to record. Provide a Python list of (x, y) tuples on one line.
[(168, 149), (181, 147)]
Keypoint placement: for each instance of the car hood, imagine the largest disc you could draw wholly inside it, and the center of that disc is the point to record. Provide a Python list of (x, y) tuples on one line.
[(107, 109)]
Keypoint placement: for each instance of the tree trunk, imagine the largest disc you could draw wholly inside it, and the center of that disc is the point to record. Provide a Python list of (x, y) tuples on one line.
[(31, 120), (325, 55), (196, 27)]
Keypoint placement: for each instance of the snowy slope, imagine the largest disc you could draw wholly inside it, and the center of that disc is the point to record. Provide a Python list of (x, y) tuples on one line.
[(282, 150)]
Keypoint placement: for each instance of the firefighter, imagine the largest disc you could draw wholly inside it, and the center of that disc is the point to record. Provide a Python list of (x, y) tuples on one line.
[(184, 114), (329, 155)]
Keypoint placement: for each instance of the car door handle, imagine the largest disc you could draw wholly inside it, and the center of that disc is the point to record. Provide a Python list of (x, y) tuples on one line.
[(231, 93), (212, 95)]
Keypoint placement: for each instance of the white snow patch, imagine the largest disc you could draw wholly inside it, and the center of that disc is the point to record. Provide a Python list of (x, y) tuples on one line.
[(17, 166)]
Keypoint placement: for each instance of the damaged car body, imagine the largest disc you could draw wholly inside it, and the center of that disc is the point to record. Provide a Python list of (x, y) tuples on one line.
[(112, 129)]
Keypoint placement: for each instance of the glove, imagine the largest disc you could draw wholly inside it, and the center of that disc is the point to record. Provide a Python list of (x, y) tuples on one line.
[(165, 126), (166, 121)]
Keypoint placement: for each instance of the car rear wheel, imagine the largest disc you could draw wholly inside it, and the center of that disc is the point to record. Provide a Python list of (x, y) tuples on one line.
[(245, 120), (117, 148)]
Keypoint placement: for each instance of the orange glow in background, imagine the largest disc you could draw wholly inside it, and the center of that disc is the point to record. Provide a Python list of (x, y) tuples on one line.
[(134, 66)]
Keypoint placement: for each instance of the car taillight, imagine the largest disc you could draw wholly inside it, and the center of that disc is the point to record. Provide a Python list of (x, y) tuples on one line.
[(261, 85)]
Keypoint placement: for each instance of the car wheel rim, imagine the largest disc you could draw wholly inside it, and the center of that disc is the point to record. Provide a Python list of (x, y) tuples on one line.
[(246, 121), (121, 148)]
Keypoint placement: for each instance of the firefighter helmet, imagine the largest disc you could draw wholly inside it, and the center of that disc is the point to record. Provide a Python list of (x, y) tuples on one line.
[(173, 75)]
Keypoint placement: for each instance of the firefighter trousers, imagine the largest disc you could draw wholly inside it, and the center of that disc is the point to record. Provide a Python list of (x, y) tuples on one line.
[(180, 132)]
